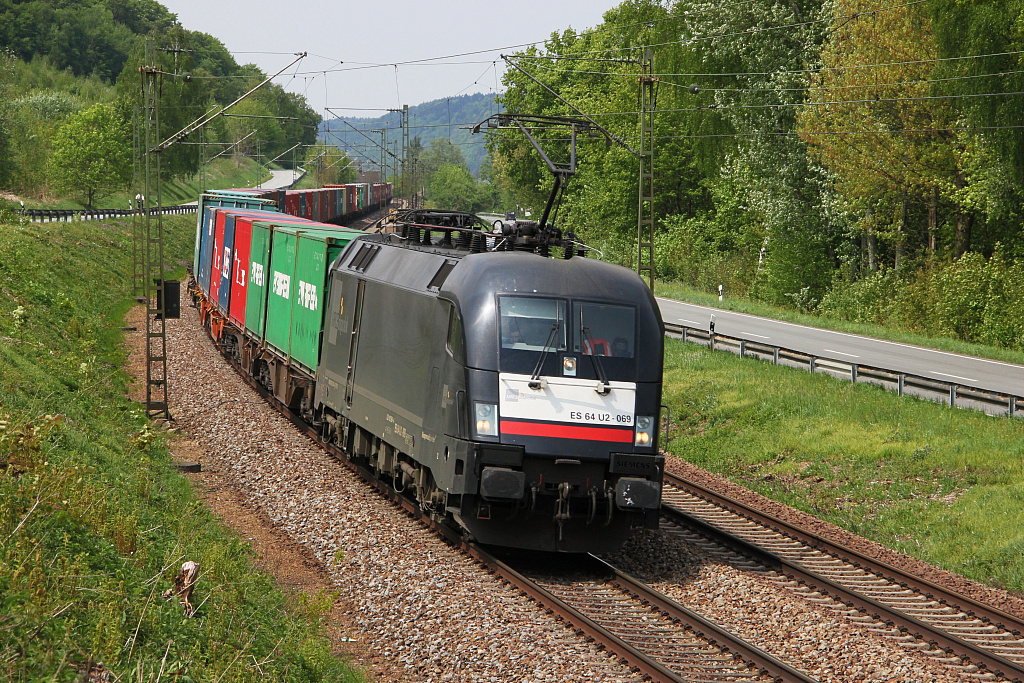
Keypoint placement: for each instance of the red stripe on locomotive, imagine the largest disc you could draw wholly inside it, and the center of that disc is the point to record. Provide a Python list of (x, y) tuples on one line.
[(563, 431)]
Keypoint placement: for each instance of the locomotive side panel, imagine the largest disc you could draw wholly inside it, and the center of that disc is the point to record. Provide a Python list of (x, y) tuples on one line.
[(395, 370)]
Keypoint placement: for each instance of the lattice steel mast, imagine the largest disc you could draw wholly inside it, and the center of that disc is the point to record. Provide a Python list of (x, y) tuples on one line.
[(153, 244), (648, 97)]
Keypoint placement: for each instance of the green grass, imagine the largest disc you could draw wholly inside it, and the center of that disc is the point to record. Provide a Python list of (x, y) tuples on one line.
[(676, 290), (307, 182), (94, 518), (219, 174), (941, 484)]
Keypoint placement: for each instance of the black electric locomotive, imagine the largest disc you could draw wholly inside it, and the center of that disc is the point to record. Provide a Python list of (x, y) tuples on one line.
[(515, 395)]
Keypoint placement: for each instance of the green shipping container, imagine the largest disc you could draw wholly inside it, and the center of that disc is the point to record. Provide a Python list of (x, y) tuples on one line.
[(296, 280), (259, 267)]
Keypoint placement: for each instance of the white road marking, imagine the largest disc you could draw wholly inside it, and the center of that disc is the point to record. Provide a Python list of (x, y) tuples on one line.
[(966, 379), (847, 334), (759, 336), (840, 353), (689, 322)]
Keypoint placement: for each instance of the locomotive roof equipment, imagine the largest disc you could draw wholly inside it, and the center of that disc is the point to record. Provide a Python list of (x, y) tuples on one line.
[(541, 232)]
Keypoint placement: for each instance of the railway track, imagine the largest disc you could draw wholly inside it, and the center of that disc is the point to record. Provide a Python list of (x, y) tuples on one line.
[(976, 639), (650, 632), (646, 630)]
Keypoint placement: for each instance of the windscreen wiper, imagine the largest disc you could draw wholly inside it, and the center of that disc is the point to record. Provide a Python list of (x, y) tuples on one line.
[(535, 382), (603, 387)]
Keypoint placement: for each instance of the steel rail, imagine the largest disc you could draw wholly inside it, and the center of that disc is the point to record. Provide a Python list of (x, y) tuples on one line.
[(977, 654), (765, 663)]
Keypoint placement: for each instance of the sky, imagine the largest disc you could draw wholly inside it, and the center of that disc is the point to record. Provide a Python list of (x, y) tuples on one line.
[(347, 41)]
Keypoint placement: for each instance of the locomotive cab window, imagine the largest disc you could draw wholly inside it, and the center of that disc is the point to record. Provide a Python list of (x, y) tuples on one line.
[(604, 330), (456, 336), (532, 323)]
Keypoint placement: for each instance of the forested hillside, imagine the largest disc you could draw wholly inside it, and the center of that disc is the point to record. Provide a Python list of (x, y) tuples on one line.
[(854, 157), (444, 118), (70, 86)]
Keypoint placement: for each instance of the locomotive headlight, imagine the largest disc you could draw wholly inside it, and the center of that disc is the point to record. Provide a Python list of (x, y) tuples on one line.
[(486, 419), (644, 430), (569, 366)]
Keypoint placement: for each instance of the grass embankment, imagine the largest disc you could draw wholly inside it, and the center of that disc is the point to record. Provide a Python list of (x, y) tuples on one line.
[(219, 174), (94, 519), (676, 290), (307, 182), (941, 484)]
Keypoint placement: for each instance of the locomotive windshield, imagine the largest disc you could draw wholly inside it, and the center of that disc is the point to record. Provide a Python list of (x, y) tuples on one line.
[(580, 329), (604, 330), (527, 322)]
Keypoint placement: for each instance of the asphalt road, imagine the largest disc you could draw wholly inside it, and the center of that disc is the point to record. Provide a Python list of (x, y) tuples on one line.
[(968, 371), (281, 178)]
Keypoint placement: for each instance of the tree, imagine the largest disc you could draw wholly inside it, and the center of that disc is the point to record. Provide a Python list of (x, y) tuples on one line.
[(92, 154), (182, 99), (328, 165), (452, 187), (873, 126), (6, 70), (989, 34)]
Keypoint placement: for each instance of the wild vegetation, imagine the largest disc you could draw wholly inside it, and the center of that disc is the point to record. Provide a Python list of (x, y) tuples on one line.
[(95, 520), (845, 157), (60, 61)]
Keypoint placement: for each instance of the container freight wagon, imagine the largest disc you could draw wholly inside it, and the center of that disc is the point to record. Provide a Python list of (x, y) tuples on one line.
[(211, 255), (281, 273), (332, 203), (297, 278), (261, 280), (245, 270), (209, 200)]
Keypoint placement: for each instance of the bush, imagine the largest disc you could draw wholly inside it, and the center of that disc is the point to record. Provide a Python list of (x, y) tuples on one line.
[(687, 251), (973, 299)]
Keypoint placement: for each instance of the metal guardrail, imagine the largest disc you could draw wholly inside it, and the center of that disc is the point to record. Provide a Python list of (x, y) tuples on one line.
[(952, 393), (69, 215)]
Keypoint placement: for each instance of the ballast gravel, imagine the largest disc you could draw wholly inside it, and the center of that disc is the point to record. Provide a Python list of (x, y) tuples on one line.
[(811, 637), (421, 611)]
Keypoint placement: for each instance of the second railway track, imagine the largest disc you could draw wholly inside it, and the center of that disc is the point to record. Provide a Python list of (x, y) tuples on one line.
[(957, 630)]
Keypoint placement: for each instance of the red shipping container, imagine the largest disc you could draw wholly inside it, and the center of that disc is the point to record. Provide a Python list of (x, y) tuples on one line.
[(218, 254), (291, 203), (240, 271)]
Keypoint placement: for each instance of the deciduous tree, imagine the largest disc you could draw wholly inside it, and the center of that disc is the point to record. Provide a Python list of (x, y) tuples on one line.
[(871, 121), (92, 154)]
